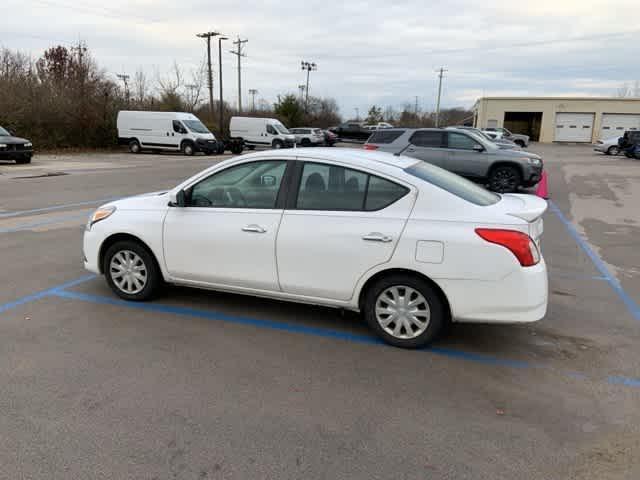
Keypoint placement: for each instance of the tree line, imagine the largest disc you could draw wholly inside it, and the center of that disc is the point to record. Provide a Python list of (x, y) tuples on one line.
[(63, 99)]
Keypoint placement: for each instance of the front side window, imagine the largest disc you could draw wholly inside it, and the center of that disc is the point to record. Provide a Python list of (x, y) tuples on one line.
[(271, 130), (178, 127), (331, 187), (428, 138), (249, 185), (460, 141)]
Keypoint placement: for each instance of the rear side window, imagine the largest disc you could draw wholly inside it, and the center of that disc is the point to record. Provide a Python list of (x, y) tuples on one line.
[(331, 187), (385, 136), (428, 138), (454, 184)]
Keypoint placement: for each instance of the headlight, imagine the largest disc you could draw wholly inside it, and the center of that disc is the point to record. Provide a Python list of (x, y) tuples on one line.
[(28, 144), (534, 161), (100, 214), (3, 145)]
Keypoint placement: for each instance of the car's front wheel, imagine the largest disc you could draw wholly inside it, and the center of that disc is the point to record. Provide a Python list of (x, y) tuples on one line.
[(131, 271), (505, 179), (405, 311), (614, 150)]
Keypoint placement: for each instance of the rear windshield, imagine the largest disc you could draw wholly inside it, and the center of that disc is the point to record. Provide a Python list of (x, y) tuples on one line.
[(452, 183), (384, 136)]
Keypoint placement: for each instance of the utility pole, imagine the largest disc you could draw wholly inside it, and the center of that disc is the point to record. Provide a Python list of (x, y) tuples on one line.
[(308, 67), (221, 102), (301, 88), (240, 44), (125, 80), (357, 113), (416, 105), (207, 36), (440, 75), (252, 92)]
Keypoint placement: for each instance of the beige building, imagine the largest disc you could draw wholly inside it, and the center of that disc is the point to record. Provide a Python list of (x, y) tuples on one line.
[(559, 119)]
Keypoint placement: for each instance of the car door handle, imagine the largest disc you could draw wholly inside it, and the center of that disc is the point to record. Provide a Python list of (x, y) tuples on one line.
[(377, 237), (253, 228)]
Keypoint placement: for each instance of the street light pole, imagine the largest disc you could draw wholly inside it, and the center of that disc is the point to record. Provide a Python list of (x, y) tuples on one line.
[(308, 67), (221, 102)]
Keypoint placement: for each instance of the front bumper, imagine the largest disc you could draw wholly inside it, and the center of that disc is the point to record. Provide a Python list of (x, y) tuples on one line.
[(207, 145), (600, 148), (532, 176), (11, 153), (91, 250)]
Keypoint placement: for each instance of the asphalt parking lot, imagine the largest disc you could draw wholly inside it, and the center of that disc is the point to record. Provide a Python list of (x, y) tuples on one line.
[(208, 385)]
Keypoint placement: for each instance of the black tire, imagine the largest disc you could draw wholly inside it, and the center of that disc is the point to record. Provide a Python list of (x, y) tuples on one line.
[(188, 149), (23, 160), (134, 146), (277, 144), (305, 142), (154, 280), (237, 148), (613, 150), (220, 148), (436, 310), (505, 179)]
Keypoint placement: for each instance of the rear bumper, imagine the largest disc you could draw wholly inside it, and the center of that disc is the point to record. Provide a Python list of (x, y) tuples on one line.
[(520, 297)]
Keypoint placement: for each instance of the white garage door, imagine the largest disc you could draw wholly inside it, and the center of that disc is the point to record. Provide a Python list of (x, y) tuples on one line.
[(574, 127), (614, 125)]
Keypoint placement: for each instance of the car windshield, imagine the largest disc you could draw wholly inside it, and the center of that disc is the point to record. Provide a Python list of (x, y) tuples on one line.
[(281, 128), (452, 183), (4, 133), (196, 126)]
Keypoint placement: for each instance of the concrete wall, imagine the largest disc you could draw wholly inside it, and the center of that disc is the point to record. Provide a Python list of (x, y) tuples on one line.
[(494, 108)]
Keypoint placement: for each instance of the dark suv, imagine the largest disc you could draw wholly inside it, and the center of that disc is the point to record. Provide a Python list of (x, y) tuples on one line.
[(462, 152), (351, 131), (14, 148)]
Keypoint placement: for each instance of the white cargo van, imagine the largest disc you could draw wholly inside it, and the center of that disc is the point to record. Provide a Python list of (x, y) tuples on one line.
[(267, 132), (170, 131)]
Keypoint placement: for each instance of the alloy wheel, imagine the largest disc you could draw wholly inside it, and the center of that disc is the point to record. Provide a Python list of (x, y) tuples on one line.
[(504, 180), (402, 312)]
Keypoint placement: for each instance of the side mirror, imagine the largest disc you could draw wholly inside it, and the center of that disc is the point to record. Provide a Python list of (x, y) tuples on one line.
[(478, 148), (12, 132), (177, 199)]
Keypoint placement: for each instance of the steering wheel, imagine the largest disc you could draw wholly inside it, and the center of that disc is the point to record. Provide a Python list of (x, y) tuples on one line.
[(235, 197)]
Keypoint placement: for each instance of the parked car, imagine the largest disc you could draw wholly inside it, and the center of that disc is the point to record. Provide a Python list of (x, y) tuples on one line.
[(500, 142), (308, 136), (517, 138), (268, 132), (409, 245), (378, 126), (330, 138), (608, 146), (464, 153), (164, 131), (351, 131), (20, 150)]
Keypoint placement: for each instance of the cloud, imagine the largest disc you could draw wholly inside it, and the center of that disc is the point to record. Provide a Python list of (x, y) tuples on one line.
[(367, 51)]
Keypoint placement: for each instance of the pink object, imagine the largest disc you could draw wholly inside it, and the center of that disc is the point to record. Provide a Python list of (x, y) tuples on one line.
[(542, 190)]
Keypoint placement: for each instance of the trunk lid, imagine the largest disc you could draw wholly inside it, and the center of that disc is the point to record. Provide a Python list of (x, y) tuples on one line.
[(529, 208)]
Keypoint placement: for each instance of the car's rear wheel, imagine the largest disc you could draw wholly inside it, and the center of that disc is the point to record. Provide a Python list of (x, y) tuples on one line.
[(131, 271), (134, 146), (405, 311), (305, 142), (613, 150), (505, 179)]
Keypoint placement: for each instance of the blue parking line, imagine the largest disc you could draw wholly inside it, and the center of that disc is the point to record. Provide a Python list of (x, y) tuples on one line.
[(284, 326), (44, 293), (43, 223), (19, 213), (631, 305)]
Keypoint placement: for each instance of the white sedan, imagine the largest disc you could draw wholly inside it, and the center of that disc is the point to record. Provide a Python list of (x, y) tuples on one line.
[(409, 245)]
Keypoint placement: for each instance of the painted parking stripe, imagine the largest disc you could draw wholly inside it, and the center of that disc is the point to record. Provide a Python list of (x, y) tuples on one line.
[(53, 208), (276, 325), (44, 223), (631, 305)]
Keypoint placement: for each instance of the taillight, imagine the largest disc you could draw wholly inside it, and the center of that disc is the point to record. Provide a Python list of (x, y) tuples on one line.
[(520, 244), (370, 147)]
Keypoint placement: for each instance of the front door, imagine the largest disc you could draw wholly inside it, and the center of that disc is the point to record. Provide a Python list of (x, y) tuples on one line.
[(344, 222), (226, 233), (466, 157), (429, 146)]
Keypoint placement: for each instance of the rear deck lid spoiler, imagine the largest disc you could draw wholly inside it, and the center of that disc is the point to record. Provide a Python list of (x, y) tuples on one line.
[(525, 207)]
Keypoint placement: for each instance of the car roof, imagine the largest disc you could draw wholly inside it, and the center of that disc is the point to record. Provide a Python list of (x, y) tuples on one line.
[(385, 162)]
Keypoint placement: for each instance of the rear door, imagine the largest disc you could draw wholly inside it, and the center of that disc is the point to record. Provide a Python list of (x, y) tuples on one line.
[(463, 159), (429, 146), (339, 223)]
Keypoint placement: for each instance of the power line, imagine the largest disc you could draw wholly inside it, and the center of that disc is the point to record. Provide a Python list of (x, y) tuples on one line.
[(239, 45)]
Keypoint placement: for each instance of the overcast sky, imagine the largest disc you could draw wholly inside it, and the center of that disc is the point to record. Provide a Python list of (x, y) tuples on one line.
[(368, 52)]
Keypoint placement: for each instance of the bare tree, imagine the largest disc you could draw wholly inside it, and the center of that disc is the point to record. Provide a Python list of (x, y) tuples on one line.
[(194, 90), (140, 87), (629, 90)]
